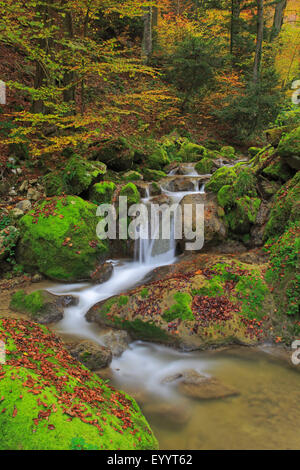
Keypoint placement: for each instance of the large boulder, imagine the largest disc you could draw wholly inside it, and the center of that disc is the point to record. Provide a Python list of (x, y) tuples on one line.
[(289, 148), (58, 238), (221, 177), (50, 401), (117, 154), (214, 224), (77, 176)]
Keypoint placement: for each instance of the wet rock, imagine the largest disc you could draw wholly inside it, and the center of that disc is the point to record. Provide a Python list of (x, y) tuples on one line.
[(92, 355), (42, 306), (102, 273), (214, 226), (37, 278), (117, 341), (168, 414), (24, 205), (201, 387)]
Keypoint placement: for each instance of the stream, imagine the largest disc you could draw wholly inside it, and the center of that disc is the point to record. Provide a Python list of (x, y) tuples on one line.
[(264, 414)]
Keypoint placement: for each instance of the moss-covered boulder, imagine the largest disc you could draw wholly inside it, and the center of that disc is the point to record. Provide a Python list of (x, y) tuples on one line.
[(102, 193), (58, 238), (228, 152), (132, 176), (117, 154), (289, 148), (153, 175), (277, 170), (131, 192), (75, 178), (42, 306), (222, 176), (190, 152), (49, 401), (158, 159), (286, 208), (204, 166), (243, 215), (208, 302)]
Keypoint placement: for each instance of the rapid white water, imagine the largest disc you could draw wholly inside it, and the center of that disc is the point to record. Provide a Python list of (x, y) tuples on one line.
[(143, 362)]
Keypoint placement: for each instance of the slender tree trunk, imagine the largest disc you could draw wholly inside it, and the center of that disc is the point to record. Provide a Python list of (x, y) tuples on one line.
[(147, 36), (234, 26), (278, 18), (69, 76), (259, 40)]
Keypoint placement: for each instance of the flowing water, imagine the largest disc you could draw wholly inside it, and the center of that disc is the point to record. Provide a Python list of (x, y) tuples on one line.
[(263, 415)]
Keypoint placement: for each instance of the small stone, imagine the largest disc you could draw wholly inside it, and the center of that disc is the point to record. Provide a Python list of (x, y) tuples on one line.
[(37, 278), (24, 186), (102, 273), (33, 195), (24, 205), (16, 213), (117, 341), (12, 192), (92, 355)]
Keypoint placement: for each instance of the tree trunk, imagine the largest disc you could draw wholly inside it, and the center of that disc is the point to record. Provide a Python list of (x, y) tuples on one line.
[(278, 18), (259, 40), (147, 36), (234, 26), (69, 76)]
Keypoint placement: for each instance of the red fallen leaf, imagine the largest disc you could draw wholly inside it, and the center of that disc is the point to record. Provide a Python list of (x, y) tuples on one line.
[(1, 399), (51, 427), (15, 412)]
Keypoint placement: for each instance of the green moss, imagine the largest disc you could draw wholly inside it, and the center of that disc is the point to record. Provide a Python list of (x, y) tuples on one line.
[(153, 175), (58, 238), (204, 166), (144, 293), (31, 303), (158, 159), (212, 287), (132, 176), (102, 193), (289, 145), (278, 170), (77, 177), (225, 196), (123, 300), (190, 152), (223, 176), (228, 151), (243, 215), (285, 208), (41, 390), (245, 184), (253, 151), (252, 291), (283, 274), (131, 192), (181, 309)]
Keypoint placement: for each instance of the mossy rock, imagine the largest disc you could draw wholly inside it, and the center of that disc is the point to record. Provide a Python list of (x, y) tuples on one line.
[(76, 178), (117, 154), (289, 148), (228, 152), (158, 160), (131, 192), (181, 309), (52, 402), (278, 170), (285, 208), (132, 176), (243, 215), (223, 176), (204, 166), (58, 238), (190, 152), (40, 305), (102, 193), (153, 175), (226, 196)]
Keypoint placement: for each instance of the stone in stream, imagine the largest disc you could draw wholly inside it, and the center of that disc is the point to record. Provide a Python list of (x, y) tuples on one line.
[(41, 306), (117, 341), (168, 414), (102, 273), (92, 355), (200, 387)]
